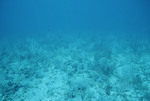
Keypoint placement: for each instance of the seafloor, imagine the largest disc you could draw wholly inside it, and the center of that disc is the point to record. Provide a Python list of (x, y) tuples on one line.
[(75, 67)]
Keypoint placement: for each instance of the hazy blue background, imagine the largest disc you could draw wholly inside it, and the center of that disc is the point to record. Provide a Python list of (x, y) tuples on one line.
[(32, 16)]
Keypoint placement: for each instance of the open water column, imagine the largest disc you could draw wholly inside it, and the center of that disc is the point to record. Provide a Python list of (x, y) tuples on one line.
[(74, 50)]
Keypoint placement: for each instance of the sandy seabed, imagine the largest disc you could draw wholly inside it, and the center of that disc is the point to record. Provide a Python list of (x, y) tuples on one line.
[(74, 67)]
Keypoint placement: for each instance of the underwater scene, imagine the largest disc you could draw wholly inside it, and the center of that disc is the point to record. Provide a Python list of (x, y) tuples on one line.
[(74, 50)]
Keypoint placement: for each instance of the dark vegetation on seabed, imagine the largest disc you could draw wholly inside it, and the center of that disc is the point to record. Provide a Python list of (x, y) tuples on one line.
[(74, 50)]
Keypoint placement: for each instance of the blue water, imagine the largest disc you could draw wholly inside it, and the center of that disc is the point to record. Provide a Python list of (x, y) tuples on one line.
[(74, 50), (37, 16)]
